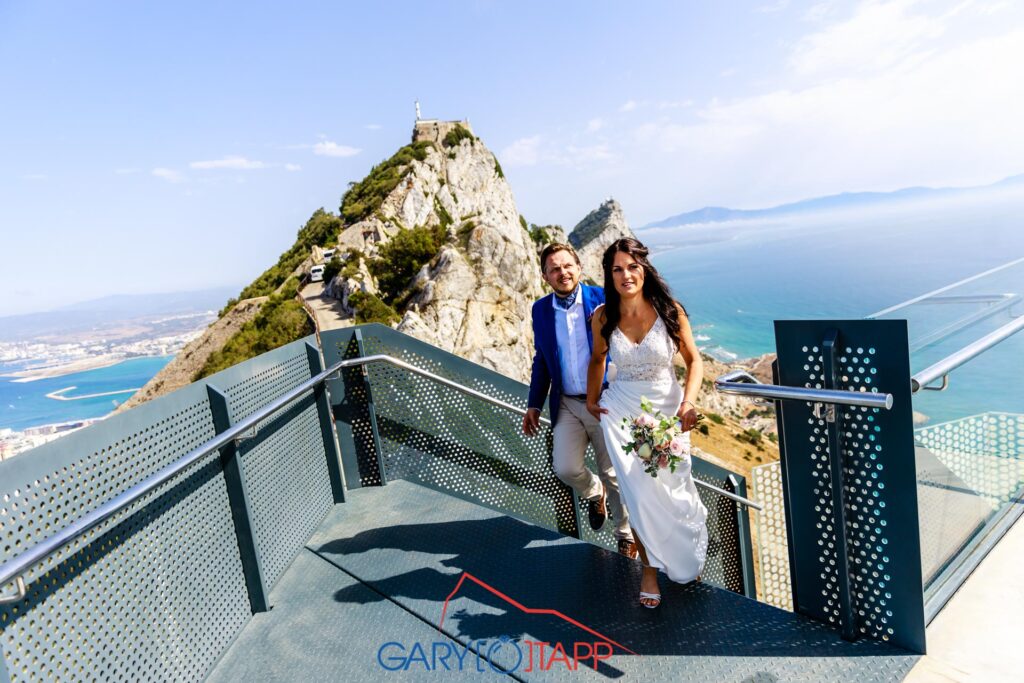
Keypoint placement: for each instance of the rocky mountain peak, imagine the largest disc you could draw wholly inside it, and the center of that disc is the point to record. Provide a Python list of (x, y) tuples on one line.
[(594, 233)]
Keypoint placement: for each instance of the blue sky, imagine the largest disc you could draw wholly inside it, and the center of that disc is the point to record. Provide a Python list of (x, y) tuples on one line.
[(168, 146)]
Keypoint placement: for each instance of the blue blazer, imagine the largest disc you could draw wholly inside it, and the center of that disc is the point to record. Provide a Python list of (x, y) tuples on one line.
[(547, 369)]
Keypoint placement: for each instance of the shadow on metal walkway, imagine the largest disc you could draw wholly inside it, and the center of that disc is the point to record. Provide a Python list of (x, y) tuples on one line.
[(369, 591)]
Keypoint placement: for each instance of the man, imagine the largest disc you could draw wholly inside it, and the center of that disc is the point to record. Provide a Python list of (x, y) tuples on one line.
[(563, 342)]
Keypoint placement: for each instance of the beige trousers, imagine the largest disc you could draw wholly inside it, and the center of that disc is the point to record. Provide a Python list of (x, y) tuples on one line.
[(574, 430)]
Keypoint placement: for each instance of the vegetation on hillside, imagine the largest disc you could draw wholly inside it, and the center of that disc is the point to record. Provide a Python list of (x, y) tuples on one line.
[(321, 228), (402, 257), (281, 320), (366, 196), (370, 309), (456, 135)]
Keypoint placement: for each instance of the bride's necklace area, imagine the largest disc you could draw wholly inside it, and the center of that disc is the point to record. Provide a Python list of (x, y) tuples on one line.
[(640, 325)]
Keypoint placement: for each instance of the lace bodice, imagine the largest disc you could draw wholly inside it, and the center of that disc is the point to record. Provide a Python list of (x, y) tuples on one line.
[(648, 361)]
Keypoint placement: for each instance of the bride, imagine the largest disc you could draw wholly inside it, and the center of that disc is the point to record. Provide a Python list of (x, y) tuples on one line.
[(642, 327)]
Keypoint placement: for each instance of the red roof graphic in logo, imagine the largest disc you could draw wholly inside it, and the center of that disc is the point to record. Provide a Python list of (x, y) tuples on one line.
[(528, 610)]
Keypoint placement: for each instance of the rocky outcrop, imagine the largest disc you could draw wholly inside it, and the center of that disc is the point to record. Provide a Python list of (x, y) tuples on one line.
[(191, 359), (474, 297), (594, 233)]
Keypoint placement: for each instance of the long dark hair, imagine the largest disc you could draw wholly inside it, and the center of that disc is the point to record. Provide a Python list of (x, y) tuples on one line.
[(655, 290)]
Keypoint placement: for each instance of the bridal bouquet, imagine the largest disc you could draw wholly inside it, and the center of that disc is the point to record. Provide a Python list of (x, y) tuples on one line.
[(658, 440)]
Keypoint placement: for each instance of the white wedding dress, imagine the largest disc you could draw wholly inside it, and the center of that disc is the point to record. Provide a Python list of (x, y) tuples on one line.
[(666, 510)]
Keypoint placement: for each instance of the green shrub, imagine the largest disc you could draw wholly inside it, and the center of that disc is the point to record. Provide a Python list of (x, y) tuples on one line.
[(716, 418), (280, 321), (402, 257), (332, 268), (370, 309), (497, 168), (703, 429), (321, 228), (456, 135), (365, 197)]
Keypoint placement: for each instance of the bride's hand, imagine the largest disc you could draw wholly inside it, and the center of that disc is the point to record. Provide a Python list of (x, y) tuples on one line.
[(687, 416), (596, 410)]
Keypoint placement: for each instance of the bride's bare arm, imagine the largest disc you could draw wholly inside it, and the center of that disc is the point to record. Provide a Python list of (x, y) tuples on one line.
[(694, 372), (595, 371)]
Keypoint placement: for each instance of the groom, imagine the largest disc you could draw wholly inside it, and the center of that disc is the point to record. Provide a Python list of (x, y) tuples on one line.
[(563, 341)]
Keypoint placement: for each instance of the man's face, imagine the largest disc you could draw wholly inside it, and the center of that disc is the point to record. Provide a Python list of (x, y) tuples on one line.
[(562, 272)]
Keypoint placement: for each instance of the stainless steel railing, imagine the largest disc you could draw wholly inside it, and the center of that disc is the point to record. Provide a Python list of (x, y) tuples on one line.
[(743, 383), (12, 570), (941, 370)]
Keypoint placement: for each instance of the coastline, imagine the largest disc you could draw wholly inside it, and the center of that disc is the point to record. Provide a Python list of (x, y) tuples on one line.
[(81, 365)]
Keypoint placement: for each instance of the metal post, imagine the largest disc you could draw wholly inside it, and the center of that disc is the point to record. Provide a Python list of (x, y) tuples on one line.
[(833, 424), (787, 499), (744, 551), (330, 437), (371, 411), (234, 478)]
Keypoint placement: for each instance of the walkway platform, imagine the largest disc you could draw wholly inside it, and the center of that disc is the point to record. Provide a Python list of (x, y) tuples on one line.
[(433, 574)]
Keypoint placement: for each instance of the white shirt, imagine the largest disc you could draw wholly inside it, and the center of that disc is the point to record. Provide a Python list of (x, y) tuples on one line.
[(573, 346)]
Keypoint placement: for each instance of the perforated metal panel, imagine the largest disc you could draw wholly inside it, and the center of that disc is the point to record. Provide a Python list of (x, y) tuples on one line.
[(461, 445), (285, 465), (156, 592), (772, 543), (879, 480)]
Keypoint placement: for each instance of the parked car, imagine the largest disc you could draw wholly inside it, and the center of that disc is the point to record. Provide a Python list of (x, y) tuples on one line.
[(328, 254), (316, 274)]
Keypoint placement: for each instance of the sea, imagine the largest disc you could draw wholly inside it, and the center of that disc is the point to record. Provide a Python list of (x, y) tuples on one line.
[(25, 404), (736, 278)]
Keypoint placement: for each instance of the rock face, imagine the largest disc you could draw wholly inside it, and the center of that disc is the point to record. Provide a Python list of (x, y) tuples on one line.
[(191, 359), (593, 234), (474, 297)]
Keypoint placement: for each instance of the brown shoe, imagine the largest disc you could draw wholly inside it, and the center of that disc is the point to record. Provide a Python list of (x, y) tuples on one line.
[(598, 510), (628, 548)]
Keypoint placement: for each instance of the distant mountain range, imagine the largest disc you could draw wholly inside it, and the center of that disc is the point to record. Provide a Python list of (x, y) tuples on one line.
[(846, 200), (110, 312)]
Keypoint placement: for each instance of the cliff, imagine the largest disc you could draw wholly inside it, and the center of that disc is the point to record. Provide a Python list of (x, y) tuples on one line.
[(594, 233)]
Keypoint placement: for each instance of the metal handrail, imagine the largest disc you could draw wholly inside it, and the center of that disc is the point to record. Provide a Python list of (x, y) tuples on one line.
[(951, 362), (742, 383), (13, 569)]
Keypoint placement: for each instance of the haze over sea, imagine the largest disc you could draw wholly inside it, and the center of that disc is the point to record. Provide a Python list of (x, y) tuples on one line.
[(736, 277)]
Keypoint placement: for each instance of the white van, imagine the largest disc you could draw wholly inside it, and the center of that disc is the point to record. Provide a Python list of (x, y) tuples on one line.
[(316, 274), (328, 254)]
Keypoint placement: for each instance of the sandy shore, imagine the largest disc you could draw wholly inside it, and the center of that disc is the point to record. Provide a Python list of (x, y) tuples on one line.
[(82, 365)]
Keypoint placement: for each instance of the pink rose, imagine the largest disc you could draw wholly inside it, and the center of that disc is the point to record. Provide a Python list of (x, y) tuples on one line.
[(663, 461), (677, 445), (646, 420)]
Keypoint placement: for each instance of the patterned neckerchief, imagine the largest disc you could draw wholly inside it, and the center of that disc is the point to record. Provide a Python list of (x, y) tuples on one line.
[(566, 302)]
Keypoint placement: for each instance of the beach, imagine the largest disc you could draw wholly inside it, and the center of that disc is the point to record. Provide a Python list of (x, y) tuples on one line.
[(81, 365)]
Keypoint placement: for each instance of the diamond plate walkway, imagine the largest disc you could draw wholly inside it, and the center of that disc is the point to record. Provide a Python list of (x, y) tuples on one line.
[(382, 565)]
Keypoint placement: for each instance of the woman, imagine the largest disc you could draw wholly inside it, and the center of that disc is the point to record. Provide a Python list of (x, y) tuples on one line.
[(643, 327)]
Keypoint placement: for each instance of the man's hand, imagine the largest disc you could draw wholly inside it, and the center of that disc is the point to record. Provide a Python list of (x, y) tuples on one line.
[(596, 410), (531, 422)]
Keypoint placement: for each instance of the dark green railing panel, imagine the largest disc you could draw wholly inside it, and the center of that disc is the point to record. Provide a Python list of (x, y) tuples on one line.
[(469, 448), (285, 463), (850, 480), (158, 590)]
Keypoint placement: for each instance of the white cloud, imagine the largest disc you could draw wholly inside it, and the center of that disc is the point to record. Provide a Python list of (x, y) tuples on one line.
[(234, 163), (292, 167), (629, 105), (168, 174), (594, 125), (326, 148), (534, 150), (522, 152)]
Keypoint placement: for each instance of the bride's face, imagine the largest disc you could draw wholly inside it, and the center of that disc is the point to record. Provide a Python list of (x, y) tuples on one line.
[(628, 275)]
